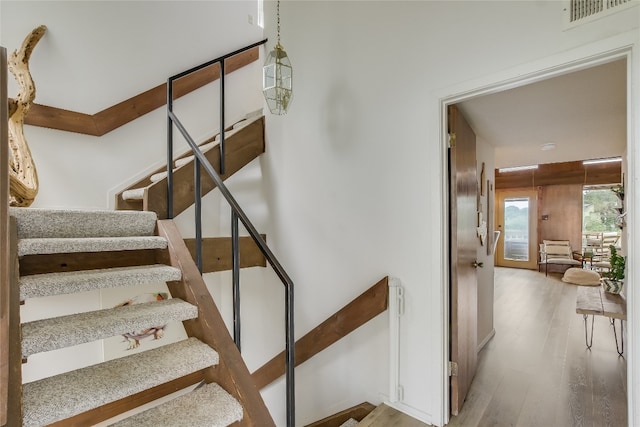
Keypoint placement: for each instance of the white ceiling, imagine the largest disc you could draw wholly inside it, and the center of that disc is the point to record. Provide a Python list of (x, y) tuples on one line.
[(583, 113)]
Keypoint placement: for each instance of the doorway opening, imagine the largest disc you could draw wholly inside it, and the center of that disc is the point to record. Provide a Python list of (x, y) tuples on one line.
[(515, 249), (516, 219)]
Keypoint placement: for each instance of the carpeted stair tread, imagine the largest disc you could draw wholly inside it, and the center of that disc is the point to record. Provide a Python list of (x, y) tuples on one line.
[(207, 406), (158, 176), (137, 194), (133, 194), (62, 223), (62, 396), (66, 331), (204, 148), (89, 244), (69, 282)]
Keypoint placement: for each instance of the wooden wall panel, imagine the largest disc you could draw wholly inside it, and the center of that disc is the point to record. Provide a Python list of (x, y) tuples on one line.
[(522, 179), (561, 173), (563, 204)]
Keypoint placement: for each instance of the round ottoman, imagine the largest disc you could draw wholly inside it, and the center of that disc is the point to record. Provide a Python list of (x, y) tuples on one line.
[(579, 276)]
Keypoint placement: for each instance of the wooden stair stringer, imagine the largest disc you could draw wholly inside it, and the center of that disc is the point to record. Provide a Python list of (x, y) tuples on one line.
[(12, 361), (240, 149), (231, 373)]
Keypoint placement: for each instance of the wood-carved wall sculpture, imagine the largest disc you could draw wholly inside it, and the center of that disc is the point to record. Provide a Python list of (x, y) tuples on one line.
[(23, 177)]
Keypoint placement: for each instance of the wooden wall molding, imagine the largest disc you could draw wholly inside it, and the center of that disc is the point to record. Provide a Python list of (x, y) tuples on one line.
[(126, 111), (560, 174), (355, 314)]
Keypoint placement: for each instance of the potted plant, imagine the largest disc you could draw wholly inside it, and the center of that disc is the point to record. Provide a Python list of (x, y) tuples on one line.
[(619, 190), (613, 279)]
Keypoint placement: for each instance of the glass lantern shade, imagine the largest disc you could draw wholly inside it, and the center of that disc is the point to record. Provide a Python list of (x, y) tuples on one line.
[(277, 77)]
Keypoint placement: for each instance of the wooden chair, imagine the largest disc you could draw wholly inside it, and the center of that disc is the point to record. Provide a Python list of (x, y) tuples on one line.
[(556, 252)]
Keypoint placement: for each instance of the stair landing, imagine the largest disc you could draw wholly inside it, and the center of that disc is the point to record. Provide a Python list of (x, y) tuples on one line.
[(386, 416)]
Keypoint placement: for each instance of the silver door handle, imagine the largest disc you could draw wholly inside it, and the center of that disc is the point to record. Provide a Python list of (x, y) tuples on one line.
[(477, 264)]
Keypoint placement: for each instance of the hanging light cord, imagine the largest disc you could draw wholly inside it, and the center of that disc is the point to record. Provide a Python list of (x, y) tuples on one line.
[(278, 15)]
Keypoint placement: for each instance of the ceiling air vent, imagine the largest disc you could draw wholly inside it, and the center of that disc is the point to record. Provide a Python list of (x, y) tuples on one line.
[(579, 11)]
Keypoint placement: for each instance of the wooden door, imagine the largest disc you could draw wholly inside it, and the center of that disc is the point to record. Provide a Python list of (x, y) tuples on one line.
[(463, 192), (517, 220)]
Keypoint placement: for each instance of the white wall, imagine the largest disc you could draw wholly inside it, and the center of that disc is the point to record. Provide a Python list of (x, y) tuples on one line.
[(352, 179), (485, 153), (356, 166)]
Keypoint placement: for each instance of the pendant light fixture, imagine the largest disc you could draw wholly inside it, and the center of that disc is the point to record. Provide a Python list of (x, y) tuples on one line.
[(277, 76)]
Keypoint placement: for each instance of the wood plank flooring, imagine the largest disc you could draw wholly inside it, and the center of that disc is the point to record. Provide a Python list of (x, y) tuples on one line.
[(536, 371), (386, 416)]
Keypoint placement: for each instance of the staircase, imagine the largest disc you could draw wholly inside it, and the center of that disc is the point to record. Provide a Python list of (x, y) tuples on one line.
[(244, 141), (71, 251), (47, 252)]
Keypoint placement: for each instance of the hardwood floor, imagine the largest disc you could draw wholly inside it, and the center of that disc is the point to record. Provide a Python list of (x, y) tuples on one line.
[(386, 416), (537, 371)]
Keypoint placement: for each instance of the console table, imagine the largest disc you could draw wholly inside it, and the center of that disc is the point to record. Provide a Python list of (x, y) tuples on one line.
[(594, 301)]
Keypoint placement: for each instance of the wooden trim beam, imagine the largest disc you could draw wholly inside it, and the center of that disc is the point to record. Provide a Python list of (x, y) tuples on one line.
[(216, 253), (358, 413), (126, 111), (53, 263), (355, 314), (560, 174), (231, 373)]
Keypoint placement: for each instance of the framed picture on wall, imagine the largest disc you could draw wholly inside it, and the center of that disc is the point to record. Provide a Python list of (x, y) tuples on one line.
[(491, 237)]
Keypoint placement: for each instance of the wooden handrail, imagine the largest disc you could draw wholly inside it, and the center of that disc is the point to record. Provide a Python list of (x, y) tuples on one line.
[(126, 111), (355, 314)]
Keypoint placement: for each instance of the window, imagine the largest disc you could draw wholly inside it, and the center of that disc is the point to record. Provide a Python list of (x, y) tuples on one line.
[(599, 211)]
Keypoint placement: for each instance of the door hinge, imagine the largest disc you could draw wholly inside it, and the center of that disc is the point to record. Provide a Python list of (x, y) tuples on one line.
[(452, 140), (453, 369)]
